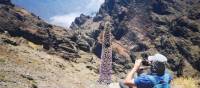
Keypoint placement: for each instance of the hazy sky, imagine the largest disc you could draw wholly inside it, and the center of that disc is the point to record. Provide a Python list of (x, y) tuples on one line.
[(60, 12)]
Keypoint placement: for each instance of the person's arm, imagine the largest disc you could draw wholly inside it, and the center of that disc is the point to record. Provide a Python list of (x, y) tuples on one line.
[(128, 80)]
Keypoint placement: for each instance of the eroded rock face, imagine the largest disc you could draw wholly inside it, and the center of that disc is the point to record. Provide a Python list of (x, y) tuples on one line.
[(18, 22), (79, 21), (7, 2), (170, 27)]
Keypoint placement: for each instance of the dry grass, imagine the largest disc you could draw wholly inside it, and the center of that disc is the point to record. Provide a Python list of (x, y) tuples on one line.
[(34, 46), (185, 82), (2, 77), (21, 11), (2, 60)]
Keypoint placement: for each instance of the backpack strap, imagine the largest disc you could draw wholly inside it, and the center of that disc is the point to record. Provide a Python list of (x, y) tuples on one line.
[(167, 78), (155, 82), (153, 79)]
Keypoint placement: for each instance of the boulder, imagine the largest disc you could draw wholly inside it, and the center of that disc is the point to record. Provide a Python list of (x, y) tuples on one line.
[(83, 45), (161, 7), (119, 59), (79, 21), (140, 47)]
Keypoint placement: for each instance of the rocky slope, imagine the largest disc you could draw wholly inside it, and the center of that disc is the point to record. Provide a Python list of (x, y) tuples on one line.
[(144, 27), (35, 54), (27, 65), (19, 23)]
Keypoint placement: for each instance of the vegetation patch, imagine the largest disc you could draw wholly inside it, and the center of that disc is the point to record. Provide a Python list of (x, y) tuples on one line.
[(185, 82), (2, 77), (2, 60), (34, 46)]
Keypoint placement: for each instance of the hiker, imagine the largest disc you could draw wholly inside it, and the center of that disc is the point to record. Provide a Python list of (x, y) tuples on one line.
[(157, 77)]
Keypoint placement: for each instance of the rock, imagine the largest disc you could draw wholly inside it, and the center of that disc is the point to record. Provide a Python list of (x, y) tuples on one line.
[(79, 21), (119, 59), (83, 45), (97, 50), (98, 18), (28, 26), (140, 47), (159, 19), (161, 7), (83, 42), (187, 52), (186, 28), (119, 32), (194, 14), (128, 66), (6, 2), (196, 40), (63, 47), (118, 68), (34, 86), (133, 56), (8, 41), (92, 68), (27, 77)]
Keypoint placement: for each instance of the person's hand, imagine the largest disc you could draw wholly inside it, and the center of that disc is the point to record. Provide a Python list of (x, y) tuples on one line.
[(137, 64)]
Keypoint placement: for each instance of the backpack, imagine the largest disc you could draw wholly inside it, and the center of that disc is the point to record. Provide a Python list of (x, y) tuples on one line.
[(161, 83)]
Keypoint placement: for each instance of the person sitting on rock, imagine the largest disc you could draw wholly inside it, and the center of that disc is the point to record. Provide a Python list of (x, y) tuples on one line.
[(158, 77)]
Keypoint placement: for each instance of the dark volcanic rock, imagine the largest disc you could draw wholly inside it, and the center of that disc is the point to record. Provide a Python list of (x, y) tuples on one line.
[(7, 2), (161, 7), (119, 59), (79, 21), (83, 45), (17, 22), (152, 26), (140, 47)]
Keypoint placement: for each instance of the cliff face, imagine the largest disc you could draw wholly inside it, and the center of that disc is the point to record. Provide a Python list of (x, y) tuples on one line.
[(35, 54), (144, 27), (18, 22), (7, 2)]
